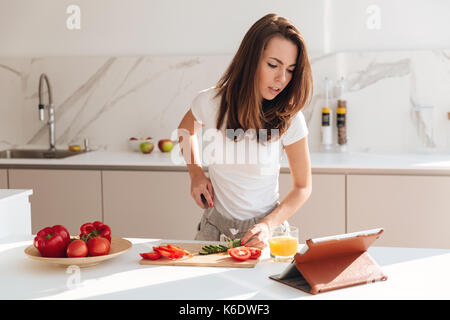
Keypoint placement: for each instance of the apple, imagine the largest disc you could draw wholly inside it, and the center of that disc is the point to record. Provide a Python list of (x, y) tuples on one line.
[(146, 147), (165, 145), (133, 138)]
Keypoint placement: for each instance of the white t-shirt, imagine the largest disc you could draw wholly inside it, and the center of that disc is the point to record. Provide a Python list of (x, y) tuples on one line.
[(244, 174)]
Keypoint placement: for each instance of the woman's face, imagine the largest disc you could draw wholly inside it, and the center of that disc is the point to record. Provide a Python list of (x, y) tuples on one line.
[(276, 66)]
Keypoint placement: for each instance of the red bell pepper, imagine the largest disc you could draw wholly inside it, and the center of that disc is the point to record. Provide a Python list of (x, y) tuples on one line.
[(95, 229), (150, 255), (52, 242)]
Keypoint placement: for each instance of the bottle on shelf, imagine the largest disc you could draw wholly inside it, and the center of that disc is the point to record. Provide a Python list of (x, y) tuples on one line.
[(341, 117), (341, 120), (326, 120)]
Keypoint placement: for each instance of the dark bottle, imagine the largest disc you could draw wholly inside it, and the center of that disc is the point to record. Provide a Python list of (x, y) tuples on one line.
[(341, 113)]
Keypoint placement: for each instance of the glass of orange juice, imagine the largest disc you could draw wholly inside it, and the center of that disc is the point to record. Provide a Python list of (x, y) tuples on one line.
[(283, 243)]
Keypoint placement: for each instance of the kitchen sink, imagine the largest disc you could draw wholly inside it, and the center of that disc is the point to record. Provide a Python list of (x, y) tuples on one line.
[(37, 154)]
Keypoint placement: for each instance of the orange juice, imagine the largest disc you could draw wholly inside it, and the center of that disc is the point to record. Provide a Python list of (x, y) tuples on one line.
[(283, 246)]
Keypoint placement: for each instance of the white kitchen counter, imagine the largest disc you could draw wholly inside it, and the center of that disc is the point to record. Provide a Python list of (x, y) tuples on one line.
[(13, 194), (412, 274), (15, 213), (337, 163)]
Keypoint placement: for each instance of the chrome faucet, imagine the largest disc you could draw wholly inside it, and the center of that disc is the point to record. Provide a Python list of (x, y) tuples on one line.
[(50, 108)]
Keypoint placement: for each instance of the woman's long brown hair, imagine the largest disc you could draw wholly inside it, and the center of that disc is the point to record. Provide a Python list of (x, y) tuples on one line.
[(241, 105)]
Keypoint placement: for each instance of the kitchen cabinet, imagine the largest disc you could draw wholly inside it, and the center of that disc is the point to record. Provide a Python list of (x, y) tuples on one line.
[(413, 210), (324, 212), (3, 179), (67, 197), (154, 204)]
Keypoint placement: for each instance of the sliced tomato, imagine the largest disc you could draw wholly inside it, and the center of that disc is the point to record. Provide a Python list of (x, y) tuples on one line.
[(151, 255), (167, 252), (255, 253), (240, 253), (178, 252), (173, 254), (185, 252), (174, 248), (177, 255), (163, 252)]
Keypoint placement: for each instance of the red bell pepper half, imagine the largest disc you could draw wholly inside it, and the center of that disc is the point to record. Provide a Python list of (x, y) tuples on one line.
[(52, 242), (95, 229)]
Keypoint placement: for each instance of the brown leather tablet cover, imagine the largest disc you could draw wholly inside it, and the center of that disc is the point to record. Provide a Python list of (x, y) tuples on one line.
[(333, 264)]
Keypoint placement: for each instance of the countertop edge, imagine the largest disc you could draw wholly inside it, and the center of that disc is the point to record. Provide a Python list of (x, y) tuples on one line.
[(182, 168)]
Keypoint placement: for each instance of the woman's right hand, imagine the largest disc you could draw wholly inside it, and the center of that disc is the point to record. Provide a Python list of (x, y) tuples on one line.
[(201, 186)]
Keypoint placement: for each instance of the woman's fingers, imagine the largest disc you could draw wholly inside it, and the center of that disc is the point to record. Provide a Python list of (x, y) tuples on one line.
[(202, 192), (247, 239), (198, 199), (203, 198), (208, 198), (256, 236), (210, 189), (260, 244), (206, 195), (256, 243)]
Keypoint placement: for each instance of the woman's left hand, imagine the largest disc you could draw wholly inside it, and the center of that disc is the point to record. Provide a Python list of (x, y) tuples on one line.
[(257, 236)]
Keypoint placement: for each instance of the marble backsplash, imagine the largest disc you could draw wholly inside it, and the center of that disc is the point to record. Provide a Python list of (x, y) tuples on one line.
[(109, 99)]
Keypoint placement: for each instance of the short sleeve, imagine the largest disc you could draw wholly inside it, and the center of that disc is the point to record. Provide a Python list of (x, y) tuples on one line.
[(296, 131), (204, 107), (196, 108)]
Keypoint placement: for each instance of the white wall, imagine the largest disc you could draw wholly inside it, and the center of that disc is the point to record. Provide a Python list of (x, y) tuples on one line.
[(203, 27), (405, 25), (145, 27)]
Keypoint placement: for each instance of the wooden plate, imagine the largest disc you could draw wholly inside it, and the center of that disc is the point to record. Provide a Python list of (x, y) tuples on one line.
[(118, 246)]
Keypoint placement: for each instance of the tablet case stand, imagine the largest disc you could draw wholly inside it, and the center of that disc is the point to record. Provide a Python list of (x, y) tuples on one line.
[(333, 262)]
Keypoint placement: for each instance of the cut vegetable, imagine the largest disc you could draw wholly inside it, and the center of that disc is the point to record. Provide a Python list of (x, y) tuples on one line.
[(151, 255), (234, 243), (240, 253), (210, 249), (172, 252), (255, 253)]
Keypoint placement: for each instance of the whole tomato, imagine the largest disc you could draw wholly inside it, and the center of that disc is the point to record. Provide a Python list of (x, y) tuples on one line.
[(98, 246), (77, 249)]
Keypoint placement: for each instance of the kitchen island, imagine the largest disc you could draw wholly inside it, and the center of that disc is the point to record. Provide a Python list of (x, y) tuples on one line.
[(413, 273)]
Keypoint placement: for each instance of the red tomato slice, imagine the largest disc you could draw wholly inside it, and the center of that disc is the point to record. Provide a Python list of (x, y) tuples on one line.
[(240, 253), (163, 252), (168, 253), (151, 255), (178, 251), (255, 253)]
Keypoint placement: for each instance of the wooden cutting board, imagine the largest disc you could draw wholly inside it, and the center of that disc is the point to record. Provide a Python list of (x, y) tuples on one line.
[(210, 260)]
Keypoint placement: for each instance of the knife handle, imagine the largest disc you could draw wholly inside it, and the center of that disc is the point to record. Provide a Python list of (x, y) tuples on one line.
[(204, 200)]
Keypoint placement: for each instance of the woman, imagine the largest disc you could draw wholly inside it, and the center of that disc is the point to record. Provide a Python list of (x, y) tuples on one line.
[(262, 92)]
